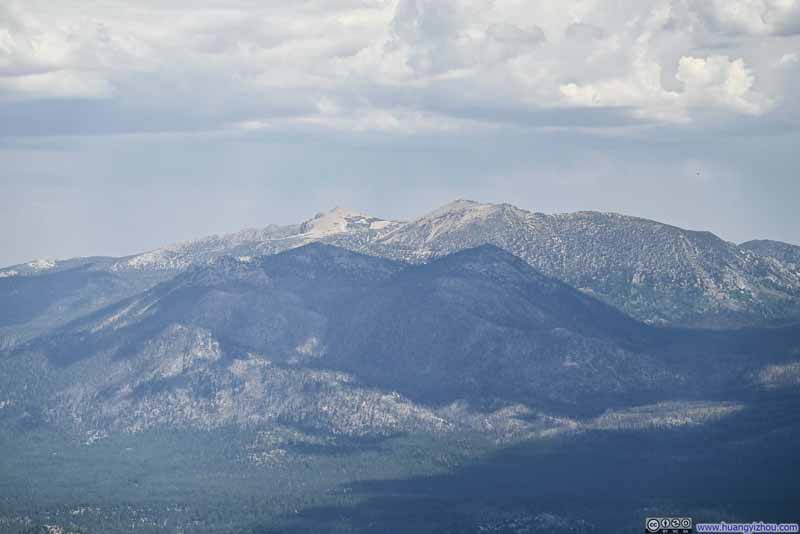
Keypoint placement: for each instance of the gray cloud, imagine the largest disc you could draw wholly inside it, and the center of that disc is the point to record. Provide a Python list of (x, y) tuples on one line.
[(583, 31), (757, 17)]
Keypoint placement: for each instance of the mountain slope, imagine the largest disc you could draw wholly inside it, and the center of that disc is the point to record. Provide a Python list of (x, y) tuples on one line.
[(331, 339), (51, 299), (483, 324), (227, 343), (778, 250), (274, 304), (338, 226), (35, 303), (655, 272)]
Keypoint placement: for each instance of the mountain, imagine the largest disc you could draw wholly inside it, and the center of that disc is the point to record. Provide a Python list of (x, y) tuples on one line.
[(343, 227), (280, 337), (270, 304), (40, 296), (783, 252), (655, 272), (338, 226), (483, 324), (288, 383), (51, 295), (226, 343)]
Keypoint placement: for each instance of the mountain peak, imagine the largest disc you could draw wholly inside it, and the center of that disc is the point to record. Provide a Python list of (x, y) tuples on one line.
[(458, 206), (455, 218), (487, 259), (340, 220)]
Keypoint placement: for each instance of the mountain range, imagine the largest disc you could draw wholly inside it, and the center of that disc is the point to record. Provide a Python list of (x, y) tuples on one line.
[(318, 334), (657, 273), (480, 303), (347, 347)]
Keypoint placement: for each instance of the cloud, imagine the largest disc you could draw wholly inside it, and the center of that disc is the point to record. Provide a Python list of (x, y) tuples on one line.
[(584, 32), (788, 59), (72, 59), (26, 49), (756, 17), (435, 37), (55, 84), (394, 65), (720, 81), (265, 112)]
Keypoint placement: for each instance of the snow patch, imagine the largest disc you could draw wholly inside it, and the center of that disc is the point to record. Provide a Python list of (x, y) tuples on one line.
[(381, 225), (333, 222), (42, 264)]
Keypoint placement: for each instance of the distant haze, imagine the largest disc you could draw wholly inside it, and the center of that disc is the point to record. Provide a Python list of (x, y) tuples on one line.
[(128, 125)]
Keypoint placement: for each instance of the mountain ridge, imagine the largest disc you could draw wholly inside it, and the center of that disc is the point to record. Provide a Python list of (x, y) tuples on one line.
[(479, 326), (779, 250), (658, 273)]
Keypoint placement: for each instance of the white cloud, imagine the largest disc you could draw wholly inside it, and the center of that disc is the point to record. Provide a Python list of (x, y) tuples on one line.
[(399, 121), (474, 60), (714, 82), (70, 58), (55, 84), (720, 81)]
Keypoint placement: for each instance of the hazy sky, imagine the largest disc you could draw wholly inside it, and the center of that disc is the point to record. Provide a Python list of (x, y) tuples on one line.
[(126, 125)]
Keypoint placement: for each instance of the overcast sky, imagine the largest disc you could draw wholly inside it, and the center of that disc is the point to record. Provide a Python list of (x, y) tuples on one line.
[(126, 125)]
